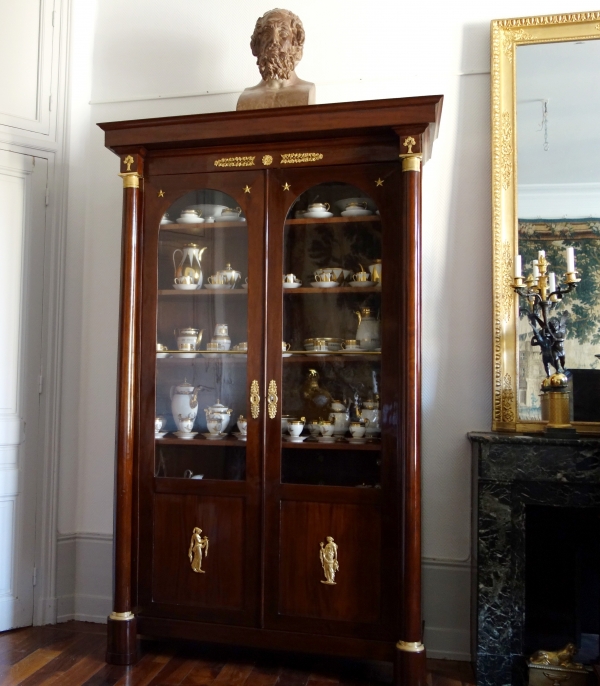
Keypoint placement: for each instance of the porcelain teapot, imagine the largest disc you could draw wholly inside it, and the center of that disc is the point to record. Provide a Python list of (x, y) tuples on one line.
[(218, 410), (229, 276), (184, 403), (368, 329), (340, 417), (190, 264)]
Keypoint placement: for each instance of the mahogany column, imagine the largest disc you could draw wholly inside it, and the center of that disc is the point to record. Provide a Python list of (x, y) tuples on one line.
[(121, 645), (410, 655)]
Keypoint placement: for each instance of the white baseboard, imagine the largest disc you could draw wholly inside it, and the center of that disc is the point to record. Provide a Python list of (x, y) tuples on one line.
[(447, 609), (84, 592), (84, 577)]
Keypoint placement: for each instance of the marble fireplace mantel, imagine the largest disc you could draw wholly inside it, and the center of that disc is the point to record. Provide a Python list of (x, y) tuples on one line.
[(510, 472)]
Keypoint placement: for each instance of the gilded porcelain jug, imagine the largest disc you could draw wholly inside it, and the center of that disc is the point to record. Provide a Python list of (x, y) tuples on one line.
[(190, 264)]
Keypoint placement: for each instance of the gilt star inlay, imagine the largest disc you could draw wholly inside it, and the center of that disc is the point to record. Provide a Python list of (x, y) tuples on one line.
[(379, 182), (286, 186), (246, 188), (161, 194)]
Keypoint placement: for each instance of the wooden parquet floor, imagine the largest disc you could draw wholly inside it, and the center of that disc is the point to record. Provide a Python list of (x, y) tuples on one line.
[(72, 654)]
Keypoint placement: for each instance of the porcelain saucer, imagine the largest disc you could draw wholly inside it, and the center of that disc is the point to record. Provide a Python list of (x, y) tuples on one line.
[(317, 215), (185, 286), (195, 220), (356, 212), (160, 434), (324, 284), (185, 434), (360, 284), (232, 220), (326, 439), (187, 356), (214, 437), (245, 286), (217, 287), (161, 356), (295, 439), (287, 284), (357, 441)]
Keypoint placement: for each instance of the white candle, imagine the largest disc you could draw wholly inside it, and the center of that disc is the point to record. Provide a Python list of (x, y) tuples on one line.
[(518, 273), (536, 269), (570, 254), (552, 282), (541, 253)]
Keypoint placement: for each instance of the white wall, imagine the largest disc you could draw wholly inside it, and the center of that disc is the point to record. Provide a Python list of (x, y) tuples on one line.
[(153, 58)]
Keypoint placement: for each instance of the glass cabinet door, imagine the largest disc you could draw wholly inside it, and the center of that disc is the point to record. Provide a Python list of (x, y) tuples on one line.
[(332, 365), (200, 436), (202, 339)]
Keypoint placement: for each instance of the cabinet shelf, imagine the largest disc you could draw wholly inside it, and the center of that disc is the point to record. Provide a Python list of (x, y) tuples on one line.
[(333, 220), (337, 289), (194, 228), (204, 292), (375, 446), (200, 440), (350, 356)]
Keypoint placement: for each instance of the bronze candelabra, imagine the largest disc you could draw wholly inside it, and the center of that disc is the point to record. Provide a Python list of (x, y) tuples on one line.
[(542, 294)]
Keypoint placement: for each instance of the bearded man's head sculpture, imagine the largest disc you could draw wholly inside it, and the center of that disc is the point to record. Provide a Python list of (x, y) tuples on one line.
[(277, 44)]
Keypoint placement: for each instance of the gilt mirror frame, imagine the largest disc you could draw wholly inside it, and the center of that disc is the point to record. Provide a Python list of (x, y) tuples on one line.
[(506, 35)]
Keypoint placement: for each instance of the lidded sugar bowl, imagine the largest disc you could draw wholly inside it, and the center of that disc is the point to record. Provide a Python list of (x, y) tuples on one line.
[(219, 411)]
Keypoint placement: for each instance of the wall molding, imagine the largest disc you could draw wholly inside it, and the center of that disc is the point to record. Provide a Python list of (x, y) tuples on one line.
[(45, 596), (558, 200)]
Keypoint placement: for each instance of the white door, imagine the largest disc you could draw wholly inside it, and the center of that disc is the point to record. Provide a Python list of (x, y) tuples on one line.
[(22, 230)]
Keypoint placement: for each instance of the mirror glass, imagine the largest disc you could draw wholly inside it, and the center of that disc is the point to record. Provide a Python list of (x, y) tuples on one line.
[(558, 153)]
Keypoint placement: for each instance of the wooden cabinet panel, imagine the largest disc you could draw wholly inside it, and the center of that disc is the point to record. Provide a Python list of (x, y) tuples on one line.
[(173, 580), (356, 595)]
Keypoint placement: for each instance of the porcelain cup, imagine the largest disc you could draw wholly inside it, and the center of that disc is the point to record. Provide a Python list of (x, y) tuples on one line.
[(319, 207), (242, 425), (285, 347), (243, 346), (185, 346), (212, 347), (357, 429), (321, 346), (356, 206), (186, 424), (290, 278), (295, 426), (159, 422), (284, 422), (326, 428), (183, 281), (351, 344), (324, 276), (161, 348), (361, 276), (216, 279)]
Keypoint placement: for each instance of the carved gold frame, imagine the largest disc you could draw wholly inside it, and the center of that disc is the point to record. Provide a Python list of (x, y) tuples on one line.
[(506, 35)]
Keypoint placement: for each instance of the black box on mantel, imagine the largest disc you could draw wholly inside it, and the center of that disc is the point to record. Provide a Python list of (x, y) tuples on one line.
[(586, 394), (548, 675)]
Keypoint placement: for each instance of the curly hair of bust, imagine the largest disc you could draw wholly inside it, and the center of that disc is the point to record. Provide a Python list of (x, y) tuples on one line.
[(272, 61)]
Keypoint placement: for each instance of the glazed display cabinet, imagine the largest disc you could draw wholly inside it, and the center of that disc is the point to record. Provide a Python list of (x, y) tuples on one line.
[(268, 474)]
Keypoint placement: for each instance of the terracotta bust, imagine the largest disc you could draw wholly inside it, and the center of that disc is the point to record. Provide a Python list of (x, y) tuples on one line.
[(277, 44)]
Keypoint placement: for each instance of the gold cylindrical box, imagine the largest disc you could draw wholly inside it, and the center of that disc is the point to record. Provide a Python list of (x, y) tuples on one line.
[(559, 411)]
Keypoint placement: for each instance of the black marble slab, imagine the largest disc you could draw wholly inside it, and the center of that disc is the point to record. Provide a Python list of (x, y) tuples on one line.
[(510, 472)]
